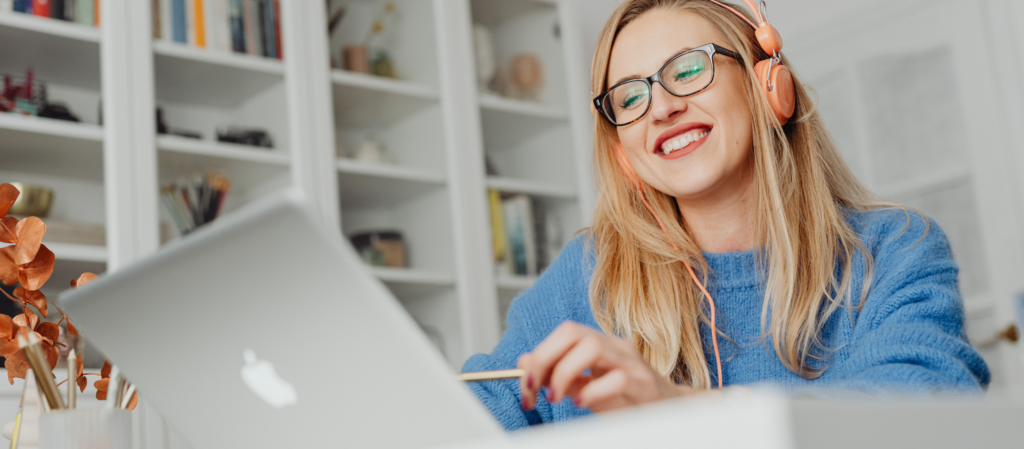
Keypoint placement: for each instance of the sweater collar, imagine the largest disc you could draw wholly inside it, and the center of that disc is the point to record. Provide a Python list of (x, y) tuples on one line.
[(733, 270)]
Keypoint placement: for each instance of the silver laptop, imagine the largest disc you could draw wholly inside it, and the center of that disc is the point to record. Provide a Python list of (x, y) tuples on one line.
[(264, 330)]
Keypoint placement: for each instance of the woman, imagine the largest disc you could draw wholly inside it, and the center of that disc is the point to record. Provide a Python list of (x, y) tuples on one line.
[(810, 282)]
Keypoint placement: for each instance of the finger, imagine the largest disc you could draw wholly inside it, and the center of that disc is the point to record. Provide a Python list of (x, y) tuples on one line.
[(609, 388), (549, 351), (574, 388), (527, 386), (578, 359)]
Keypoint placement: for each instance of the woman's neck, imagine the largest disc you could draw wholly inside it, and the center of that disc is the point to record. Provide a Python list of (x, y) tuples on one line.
[(723, 220)]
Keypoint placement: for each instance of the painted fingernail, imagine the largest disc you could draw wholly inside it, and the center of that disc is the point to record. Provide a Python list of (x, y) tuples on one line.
[(522, 403), (550, 396), (577, 401), (529, 381)]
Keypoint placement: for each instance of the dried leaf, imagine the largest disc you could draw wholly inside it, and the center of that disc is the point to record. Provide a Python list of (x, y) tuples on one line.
[(27, 320), (7, 226), (49, 330), (85, 278), (71, 327), (36, 273), (9, 271), (8, 195), (101, 388), (105, 371), (82, 382), (16, 366), (30, 233), (52, 355), (9, 348), (7, 328), (34, 297)]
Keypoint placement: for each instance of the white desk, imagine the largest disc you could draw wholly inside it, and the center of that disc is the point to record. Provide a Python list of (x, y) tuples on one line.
[(773, 422)]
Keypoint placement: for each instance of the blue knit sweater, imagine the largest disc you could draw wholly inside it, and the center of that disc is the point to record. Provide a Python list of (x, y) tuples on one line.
[(908, 337)]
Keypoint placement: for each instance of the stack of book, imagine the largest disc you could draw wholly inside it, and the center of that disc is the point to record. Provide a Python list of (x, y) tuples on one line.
[(243, 26), (85, 12), (526, 237), (197, 201)]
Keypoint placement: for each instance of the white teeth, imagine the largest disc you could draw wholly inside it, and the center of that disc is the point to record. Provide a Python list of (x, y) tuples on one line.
[(681, 141)]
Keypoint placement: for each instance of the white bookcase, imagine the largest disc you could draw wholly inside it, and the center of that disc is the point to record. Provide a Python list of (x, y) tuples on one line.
[(431, 119)]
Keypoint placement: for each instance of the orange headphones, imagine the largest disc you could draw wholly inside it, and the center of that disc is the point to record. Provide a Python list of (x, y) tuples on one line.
[(777, 83)]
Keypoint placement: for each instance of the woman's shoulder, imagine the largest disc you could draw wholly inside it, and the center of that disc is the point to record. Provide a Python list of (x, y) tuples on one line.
[(899, 233)]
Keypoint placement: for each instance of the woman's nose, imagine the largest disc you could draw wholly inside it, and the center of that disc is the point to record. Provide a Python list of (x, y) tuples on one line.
[(665, 106)]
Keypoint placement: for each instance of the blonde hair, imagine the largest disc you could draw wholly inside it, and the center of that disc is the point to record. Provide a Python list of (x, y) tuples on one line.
[(640, 289)]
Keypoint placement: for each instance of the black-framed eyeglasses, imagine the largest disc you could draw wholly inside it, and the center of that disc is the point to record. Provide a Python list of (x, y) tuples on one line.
[(686, 74)]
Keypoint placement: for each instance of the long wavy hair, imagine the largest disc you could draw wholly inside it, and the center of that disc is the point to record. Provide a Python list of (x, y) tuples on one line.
[(640, 289)]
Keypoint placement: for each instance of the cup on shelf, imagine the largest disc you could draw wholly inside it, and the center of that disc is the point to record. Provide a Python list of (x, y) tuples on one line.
[(86, 429)]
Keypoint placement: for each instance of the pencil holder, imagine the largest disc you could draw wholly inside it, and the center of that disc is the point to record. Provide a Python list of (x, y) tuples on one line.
[(86, 429)]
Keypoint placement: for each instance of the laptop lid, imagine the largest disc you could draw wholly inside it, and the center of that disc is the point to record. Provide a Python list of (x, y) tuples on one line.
[(265, 330)]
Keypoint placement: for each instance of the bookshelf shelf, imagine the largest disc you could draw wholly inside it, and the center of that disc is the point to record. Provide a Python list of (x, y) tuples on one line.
[(530, 187), (78, 253), (211, 78), (389, 171), (380, 100), (410, 276), (373, 186), (221, 150), (59, 52), (513, 282), (48, 146), (497, 104)]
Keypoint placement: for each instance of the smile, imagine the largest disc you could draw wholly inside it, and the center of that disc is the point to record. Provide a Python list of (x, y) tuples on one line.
[(681, 140)]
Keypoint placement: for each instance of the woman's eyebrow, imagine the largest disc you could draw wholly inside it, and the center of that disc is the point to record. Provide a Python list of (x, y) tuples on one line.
[(638, 76)]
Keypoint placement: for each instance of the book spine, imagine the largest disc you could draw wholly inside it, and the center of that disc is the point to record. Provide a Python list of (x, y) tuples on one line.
[(250, 26), (268, 29), (27, 8), (178, 17), (166, 20), (277, 29), (6, 6), (190, 22), (57, 9), (96, 17), (69, 10), (224, 24), (237, 26), (261, 30), (157, 19), (41, 8), (200, 23), (83, 12)]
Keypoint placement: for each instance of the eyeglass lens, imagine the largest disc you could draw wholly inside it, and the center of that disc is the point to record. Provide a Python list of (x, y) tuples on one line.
[(687, 74)]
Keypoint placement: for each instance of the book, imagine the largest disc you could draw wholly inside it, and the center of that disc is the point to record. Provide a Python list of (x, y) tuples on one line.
[(96, 13), (261, 35), (157, 19), (498, 237), (522, 252), (166, 21), (277, 29), (57, 9), (41, 8), (190, 22), (218, 32), (83, 12), (6, 5), (199, 22), (269, 40), (248, 14), (237, 26), (178, 19), (70, 6)]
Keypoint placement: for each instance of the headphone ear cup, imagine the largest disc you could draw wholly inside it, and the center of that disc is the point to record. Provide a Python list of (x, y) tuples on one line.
[(783, 99), (627, 169)]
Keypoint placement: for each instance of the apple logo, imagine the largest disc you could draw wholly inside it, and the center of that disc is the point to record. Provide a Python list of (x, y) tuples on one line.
[(261, 377)]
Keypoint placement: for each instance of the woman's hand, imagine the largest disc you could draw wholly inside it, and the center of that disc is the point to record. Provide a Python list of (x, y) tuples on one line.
[(619, 376)]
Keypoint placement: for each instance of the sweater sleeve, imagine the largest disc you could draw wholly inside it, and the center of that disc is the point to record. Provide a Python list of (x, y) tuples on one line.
[(531, 317), (909, 336)]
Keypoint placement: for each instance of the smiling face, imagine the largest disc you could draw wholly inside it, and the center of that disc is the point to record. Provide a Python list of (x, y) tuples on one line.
[(695, 147)]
